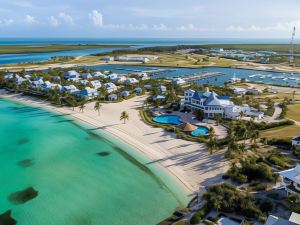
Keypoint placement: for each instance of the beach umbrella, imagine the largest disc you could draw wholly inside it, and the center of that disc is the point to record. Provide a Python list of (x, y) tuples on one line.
[(187, 127)]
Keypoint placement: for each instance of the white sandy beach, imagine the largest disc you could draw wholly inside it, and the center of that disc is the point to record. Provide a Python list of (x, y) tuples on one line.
[(189, 162)]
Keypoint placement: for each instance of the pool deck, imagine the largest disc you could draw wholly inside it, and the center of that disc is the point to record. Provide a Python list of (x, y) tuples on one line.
[(188, 162)]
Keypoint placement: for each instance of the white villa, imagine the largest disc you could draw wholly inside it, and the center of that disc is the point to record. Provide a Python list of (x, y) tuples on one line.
[(99, 74), (72, 74), (86, 75), (71, 88), (211, 104), (110, 87), (87, 93), (291, 180)]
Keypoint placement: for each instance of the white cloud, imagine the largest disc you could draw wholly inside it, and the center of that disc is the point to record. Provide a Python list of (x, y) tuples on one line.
[(190, 27), (22, 4), (6, 22), (54, 21), (31, 20), (286, 26), (66, 18), (161, 27), (97, 18)]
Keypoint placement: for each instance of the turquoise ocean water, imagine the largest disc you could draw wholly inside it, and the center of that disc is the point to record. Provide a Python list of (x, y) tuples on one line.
[(76, 186)]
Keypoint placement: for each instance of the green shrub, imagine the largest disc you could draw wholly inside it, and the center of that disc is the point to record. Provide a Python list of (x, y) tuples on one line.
[(266, 206)]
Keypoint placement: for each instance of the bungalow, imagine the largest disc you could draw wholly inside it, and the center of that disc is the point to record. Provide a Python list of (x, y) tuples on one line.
[(296, 142), (239, 91), (125, 93), (57, 86), (110, 87), (99, 74), (148, 87), (84, 82), (121, 79), (211, 104), (72, 74), (96, 84), (70, 88), (293, 220), (88, 93), (138, 90), (162, 88), (131, 80), (112, 97), (178, 81), (113, 77), (86, 76), (27, 76), (37, 83), (291, 180), (143, 76)]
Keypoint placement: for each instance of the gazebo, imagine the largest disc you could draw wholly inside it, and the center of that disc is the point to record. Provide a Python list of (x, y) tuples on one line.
[(187, 127)]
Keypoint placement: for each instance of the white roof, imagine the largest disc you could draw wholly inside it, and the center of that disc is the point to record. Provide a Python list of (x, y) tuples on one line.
[(227, 221), (295, 218), (292, 174)]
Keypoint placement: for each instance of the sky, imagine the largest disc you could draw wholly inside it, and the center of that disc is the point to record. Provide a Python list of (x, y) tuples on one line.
[(149, 18)]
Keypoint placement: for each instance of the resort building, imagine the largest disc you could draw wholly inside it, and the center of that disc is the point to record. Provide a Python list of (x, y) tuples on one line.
[(212, 105), (296, 142), (8, 76), (254, 91), (291, 180), (293, 220), (47, 85), (19, 80), (131, 59), (239, 91), (110, 87)]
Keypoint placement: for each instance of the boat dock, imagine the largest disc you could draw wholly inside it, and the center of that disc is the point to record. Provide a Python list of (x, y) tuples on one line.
[(201, 75), (151, 72)]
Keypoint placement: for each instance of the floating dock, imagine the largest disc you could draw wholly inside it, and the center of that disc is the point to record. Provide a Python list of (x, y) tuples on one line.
[(199, 76)]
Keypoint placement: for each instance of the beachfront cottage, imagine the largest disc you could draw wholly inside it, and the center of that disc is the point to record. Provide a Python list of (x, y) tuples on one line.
[(86, 76), (27, 76), (125, 93), (178, 81), (143, 76), (87, 93), (212, 105), (148, 87), (110, 87), (291, 180), (96, 84), (112, 97), (37, 83), (57, 87), (70, 88), (162, 88), (47, 85), (8, 76), (113, 77), (138, 90), (296, 142), (72, 74), (19, 80), (121, 79), (131, 80), (293, 220), (99, 74)]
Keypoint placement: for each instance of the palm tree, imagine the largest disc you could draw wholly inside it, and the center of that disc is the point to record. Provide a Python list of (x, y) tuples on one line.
[(81, 107), (97, 107), (212, 141), (124, 116), (242, 114)]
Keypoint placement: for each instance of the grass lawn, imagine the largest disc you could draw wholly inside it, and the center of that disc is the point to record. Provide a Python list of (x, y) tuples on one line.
[(285, 132), (293, 112), (17, 49)]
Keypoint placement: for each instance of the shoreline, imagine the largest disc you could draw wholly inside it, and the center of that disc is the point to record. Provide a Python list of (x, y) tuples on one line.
[(38, 103), (189, 164)]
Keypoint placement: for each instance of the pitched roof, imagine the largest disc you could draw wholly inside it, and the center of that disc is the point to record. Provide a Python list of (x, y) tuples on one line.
[(197, 95), (212, 99), (296, 138), (292, 174), (187, 127)]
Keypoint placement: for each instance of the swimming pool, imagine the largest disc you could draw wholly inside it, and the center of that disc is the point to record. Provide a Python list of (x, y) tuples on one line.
[(200, 131), (168, 119)]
